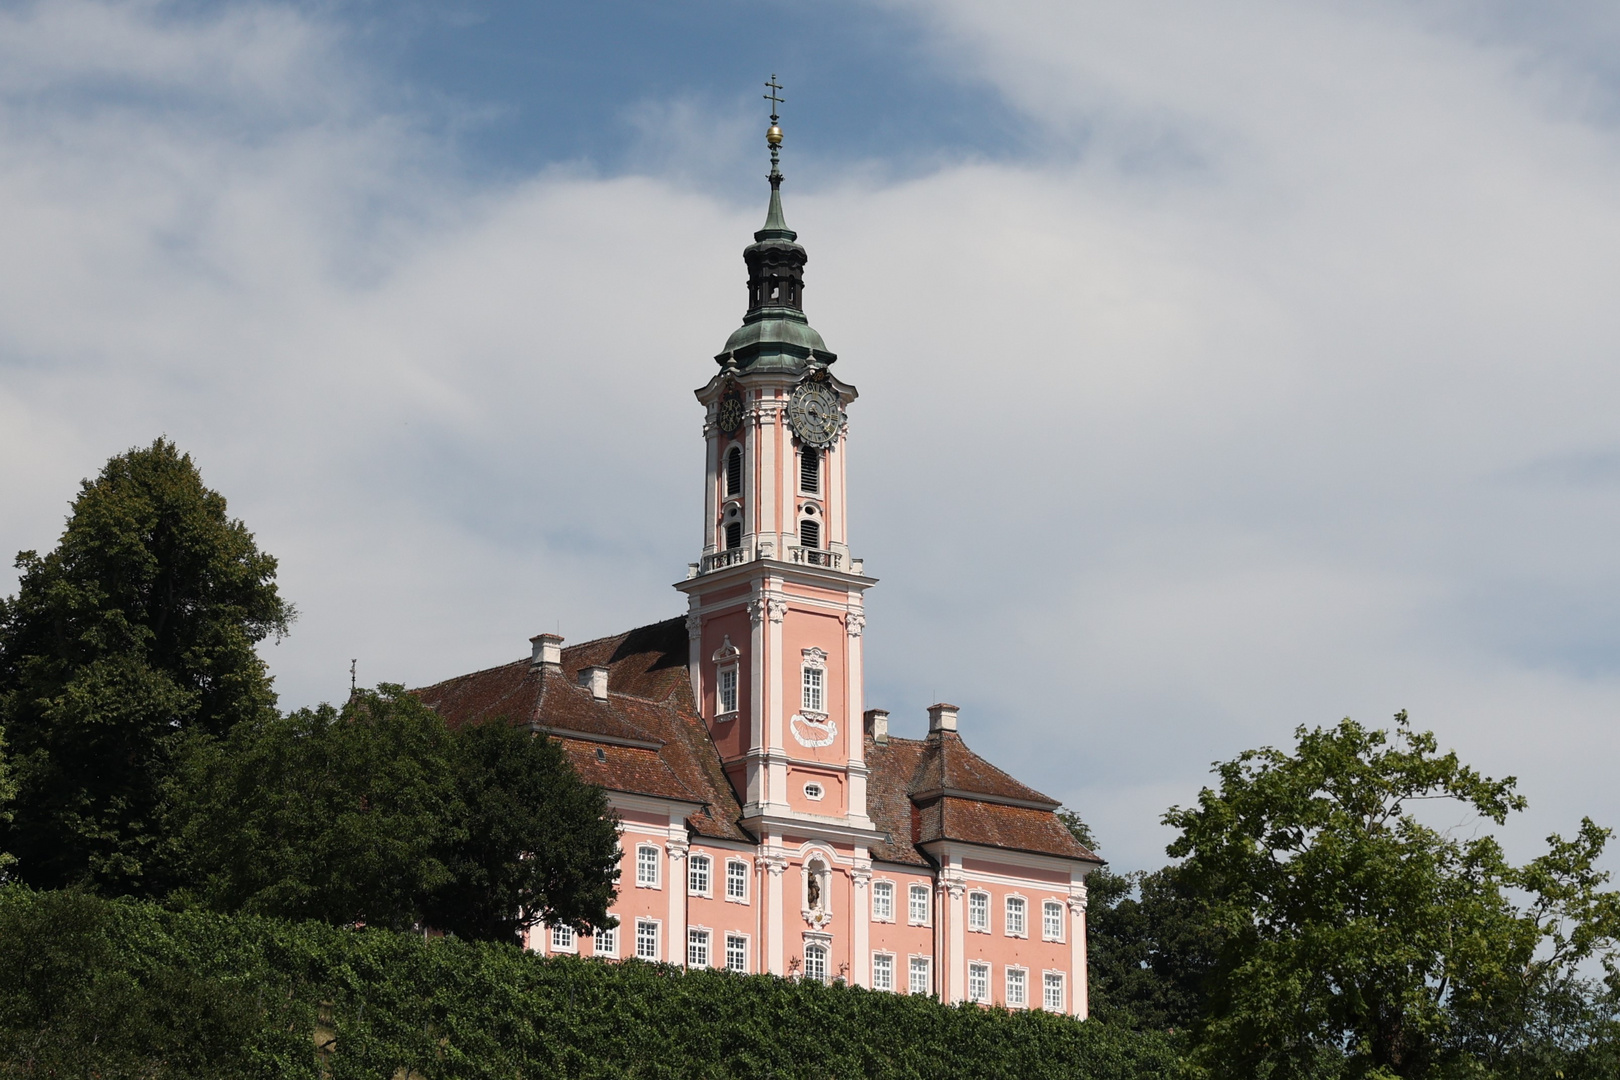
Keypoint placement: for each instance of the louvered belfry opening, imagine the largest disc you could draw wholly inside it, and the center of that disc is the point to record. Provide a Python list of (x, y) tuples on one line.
[(734, 536), (734, 471), (810, 470), (810, 533)]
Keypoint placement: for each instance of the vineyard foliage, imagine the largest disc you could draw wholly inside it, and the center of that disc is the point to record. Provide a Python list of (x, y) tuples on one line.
[(92, 987)]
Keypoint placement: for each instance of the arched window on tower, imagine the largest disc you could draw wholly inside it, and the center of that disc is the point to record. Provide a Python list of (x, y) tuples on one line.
[(734, 471), (810, 470), (809, 533), (733, 535)]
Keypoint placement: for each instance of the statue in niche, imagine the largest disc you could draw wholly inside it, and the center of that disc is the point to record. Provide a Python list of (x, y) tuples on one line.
[(813, 891)]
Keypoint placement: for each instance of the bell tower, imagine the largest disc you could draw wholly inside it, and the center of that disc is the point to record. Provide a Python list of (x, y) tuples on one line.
[(775, 601)]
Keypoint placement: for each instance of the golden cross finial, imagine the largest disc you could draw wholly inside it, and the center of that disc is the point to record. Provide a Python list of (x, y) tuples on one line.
[(772, 98)]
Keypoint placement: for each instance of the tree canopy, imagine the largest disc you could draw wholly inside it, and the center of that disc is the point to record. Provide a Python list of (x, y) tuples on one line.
[(140, 626)]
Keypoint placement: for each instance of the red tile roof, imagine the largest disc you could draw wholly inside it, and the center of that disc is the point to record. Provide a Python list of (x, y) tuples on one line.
[(647, 738)]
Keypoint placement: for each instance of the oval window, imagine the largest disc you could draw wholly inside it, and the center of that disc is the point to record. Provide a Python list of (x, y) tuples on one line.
[(814, 791)]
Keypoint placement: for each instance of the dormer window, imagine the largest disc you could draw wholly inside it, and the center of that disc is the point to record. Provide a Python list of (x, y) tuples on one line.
[(810, 470), (734, 475)]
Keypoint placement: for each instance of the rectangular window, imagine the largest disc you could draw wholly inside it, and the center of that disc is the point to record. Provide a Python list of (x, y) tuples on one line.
[(922, 981), (815, 963), (979, 911), (605, 942), (979, 983), (1015, 916), (562, 938), (736, 880), (919, 905), (697, 875), (728, 689), (813, 697), (1052, 921), (882, 971), (736, 952), (1052, 992), (646, 939), (647, 866), (883, 900), (1015, 988), (809, 471), (697, 948)]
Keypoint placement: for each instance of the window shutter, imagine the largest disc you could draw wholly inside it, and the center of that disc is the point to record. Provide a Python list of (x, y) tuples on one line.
[(734, 536), (734, 471), (810, 470), (810, 533)]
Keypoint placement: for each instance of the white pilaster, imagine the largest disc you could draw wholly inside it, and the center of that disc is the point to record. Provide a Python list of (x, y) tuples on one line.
[(860, 919), (775, 953), (675, 883), (956, 922), (1080, 989)]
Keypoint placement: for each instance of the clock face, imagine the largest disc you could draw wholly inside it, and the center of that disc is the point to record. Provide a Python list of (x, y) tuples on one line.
[(815, 414), (730, 417)]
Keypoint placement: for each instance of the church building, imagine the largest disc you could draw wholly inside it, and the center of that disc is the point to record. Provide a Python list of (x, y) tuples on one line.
[(769, 821)]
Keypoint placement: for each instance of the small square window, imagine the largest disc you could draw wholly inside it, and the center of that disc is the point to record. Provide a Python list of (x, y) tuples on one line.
[(697, 948), (1052, 920), (737, 880), (1015, 917), (979, 911), (697, 875), (647, 866), (1052, 991), (979, 983), (605, 942), (1016, 983), (646, 939), (919, 905), (922, 975), (882, 971), (736, 952), (883, 900), (562, 939)]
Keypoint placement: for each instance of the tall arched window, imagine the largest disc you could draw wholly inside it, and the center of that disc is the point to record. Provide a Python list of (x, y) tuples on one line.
[(810, 470), (733, 535), (815, 963), (734, 471), (810, 533)]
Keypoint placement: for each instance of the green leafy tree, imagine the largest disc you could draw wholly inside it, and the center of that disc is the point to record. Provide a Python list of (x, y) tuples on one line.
[(139, 627), (1356, 939), (379, 814), (342, 816), (537, 843), (1151, 952)]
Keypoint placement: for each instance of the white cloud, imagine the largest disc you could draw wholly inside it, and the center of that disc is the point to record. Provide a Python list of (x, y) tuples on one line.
[(1273, 395)]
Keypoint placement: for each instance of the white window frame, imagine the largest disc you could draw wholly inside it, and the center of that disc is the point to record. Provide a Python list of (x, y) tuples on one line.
[(1019, 977), (979, 971), (563, 939), (886, 970), (978, 921), (605, 941), (1014, 902), (825, 957), (700, 944), (649, 871), (743, 967), (1046, 926), (815, 790), (911, 905), (883, 885), (734, 673), (693, 886), (1048, 980), (742, 877), (656, 926), (914, 964), (813, 687)]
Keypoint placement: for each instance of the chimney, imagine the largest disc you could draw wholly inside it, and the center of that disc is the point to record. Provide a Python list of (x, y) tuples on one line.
[(877, 725), (547, 652), (941, 717), (595, 677)]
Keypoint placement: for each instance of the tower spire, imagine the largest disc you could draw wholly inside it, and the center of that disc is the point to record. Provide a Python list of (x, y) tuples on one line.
[(775, 223)]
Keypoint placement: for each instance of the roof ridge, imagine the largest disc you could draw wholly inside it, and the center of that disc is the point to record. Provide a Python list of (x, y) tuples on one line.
[(468, 675), (621, 633)]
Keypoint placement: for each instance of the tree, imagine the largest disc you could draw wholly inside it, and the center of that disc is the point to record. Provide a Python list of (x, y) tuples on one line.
[(379, 814), (1355, 939), (540, 845), (139, 627)]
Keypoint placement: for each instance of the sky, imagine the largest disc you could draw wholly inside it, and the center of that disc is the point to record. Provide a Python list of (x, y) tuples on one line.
[(1223, 369)]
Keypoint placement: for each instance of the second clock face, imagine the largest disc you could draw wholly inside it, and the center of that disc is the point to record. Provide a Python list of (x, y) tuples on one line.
[(815, 413), (730, 417)]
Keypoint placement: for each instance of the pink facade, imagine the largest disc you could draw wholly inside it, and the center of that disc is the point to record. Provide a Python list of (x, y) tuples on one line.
[(769, 822)]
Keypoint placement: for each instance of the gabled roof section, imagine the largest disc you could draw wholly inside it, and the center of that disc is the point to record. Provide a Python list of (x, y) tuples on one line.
[(646, 738)]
